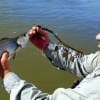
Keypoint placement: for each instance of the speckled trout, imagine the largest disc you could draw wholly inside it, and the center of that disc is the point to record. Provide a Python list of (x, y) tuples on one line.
[(13, 44)]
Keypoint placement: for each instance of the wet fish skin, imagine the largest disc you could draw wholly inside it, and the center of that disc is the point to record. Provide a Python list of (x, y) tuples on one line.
[(12, 45)]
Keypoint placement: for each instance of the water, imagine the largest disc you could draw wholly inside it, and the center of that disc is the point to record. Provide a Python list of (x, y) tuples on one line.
[(76, 22)]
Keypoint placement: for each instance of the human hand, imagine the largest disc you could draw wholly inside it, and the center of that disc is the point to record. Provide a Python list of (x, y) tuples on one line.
[(38, 37), (4, 67)]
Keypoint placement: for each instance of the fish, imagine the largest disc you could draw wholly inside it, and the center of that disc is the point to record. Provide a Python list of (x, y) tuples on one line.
[(13, 44)]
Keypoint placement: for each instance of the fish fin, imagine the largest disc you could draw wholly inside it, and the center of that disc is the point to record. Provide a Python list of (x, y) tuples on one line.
[(14, 56), (5, 38), (18, 45)]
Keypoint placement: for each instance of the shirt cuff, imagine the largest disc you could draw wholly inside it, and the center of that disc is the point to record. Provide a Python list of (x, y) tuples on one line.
[(9, 81)]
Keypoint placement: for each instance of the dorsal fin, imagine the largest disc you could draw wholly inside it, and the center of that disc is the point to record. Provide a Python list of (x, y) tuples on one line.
[(5, 38)]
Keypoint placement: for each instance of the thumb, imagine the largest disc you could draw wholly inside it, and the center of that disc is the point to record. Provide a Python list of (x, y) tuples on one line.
[(4, 59), (4, 67)]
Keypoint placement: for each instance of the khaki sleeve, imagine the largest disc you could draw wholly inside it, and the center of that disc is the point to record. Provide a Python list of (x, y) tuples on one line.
[(22, 90), (67, 59)]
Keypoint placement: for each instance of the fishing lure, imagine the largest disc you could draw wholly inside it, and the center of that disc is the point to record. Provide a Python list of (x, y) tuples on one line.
[(12, 45)]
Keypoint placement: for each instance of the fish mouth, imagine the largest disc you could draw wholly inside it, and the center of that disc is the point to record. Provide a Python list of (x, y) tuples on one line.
[(22, 40)]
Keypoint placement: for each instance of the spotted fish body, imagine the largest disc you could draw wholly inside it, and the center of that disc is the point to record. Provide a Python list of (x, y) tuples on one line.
[(12, 45)]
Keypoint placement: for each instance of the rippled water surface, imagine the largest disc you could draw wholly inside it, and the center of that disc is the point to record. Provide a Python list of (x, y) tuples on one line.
[(76, 22)]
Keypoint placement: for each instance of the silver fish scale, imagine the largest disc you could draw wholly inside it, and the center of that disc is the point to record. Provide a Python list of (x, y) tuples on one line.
[(2, 49), (8, 45), (12, 45)]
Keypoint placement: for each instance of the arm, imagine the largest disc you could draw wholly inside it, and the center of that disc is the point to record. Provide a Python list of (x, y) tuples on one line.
[(22, 90), (67, 59), (18, 89), (62, 57)]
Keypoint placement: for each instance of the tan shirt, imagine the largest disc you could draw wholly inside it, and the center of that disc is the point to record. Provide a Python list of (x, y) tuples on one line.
[(84, 66)]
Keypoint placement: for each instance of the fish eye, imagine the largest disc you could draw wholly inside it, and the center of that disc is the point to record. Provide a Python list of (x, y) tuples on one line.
[(24, 34)]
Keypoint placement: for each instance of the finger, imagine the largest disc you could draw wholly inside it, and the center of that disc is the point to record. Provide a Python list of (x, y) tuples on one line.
[(31, 32), (35, 28)]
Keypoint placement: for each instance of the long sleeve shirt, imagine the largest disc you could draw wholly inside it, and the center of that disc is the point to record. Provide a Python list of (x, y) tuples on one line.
[(84, 66)]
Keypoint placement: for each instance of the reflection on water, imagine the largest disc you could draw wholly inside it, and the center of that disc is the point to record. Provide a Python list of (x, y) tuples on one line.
[(76, 22)]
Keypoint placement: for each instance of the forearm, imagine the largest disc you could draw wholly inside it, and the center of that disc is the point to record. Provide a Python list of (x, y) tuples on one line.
[(21, 90), (69, 60)]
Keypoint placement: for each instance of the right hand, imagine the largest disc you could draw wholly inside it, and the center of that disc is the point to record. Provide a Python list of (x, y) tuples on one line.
[(38, 37)]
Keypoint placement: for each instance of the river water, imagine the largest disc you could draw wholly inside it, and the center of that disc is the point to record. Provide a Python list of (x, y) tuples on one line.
[(76, 22)]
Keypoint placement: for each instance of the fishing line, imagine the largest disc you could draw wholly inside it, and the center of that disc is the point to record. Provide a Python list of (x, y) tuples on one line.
[(58, 38)]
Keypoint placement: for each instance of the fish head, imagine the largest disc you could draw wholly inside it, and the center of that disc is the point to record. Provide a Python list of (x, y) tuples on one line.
[(22, 40)]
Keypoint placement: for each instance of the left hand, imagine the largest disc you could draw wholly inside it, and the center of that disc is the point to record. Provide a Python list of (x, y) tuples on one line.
[(4, 67)]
